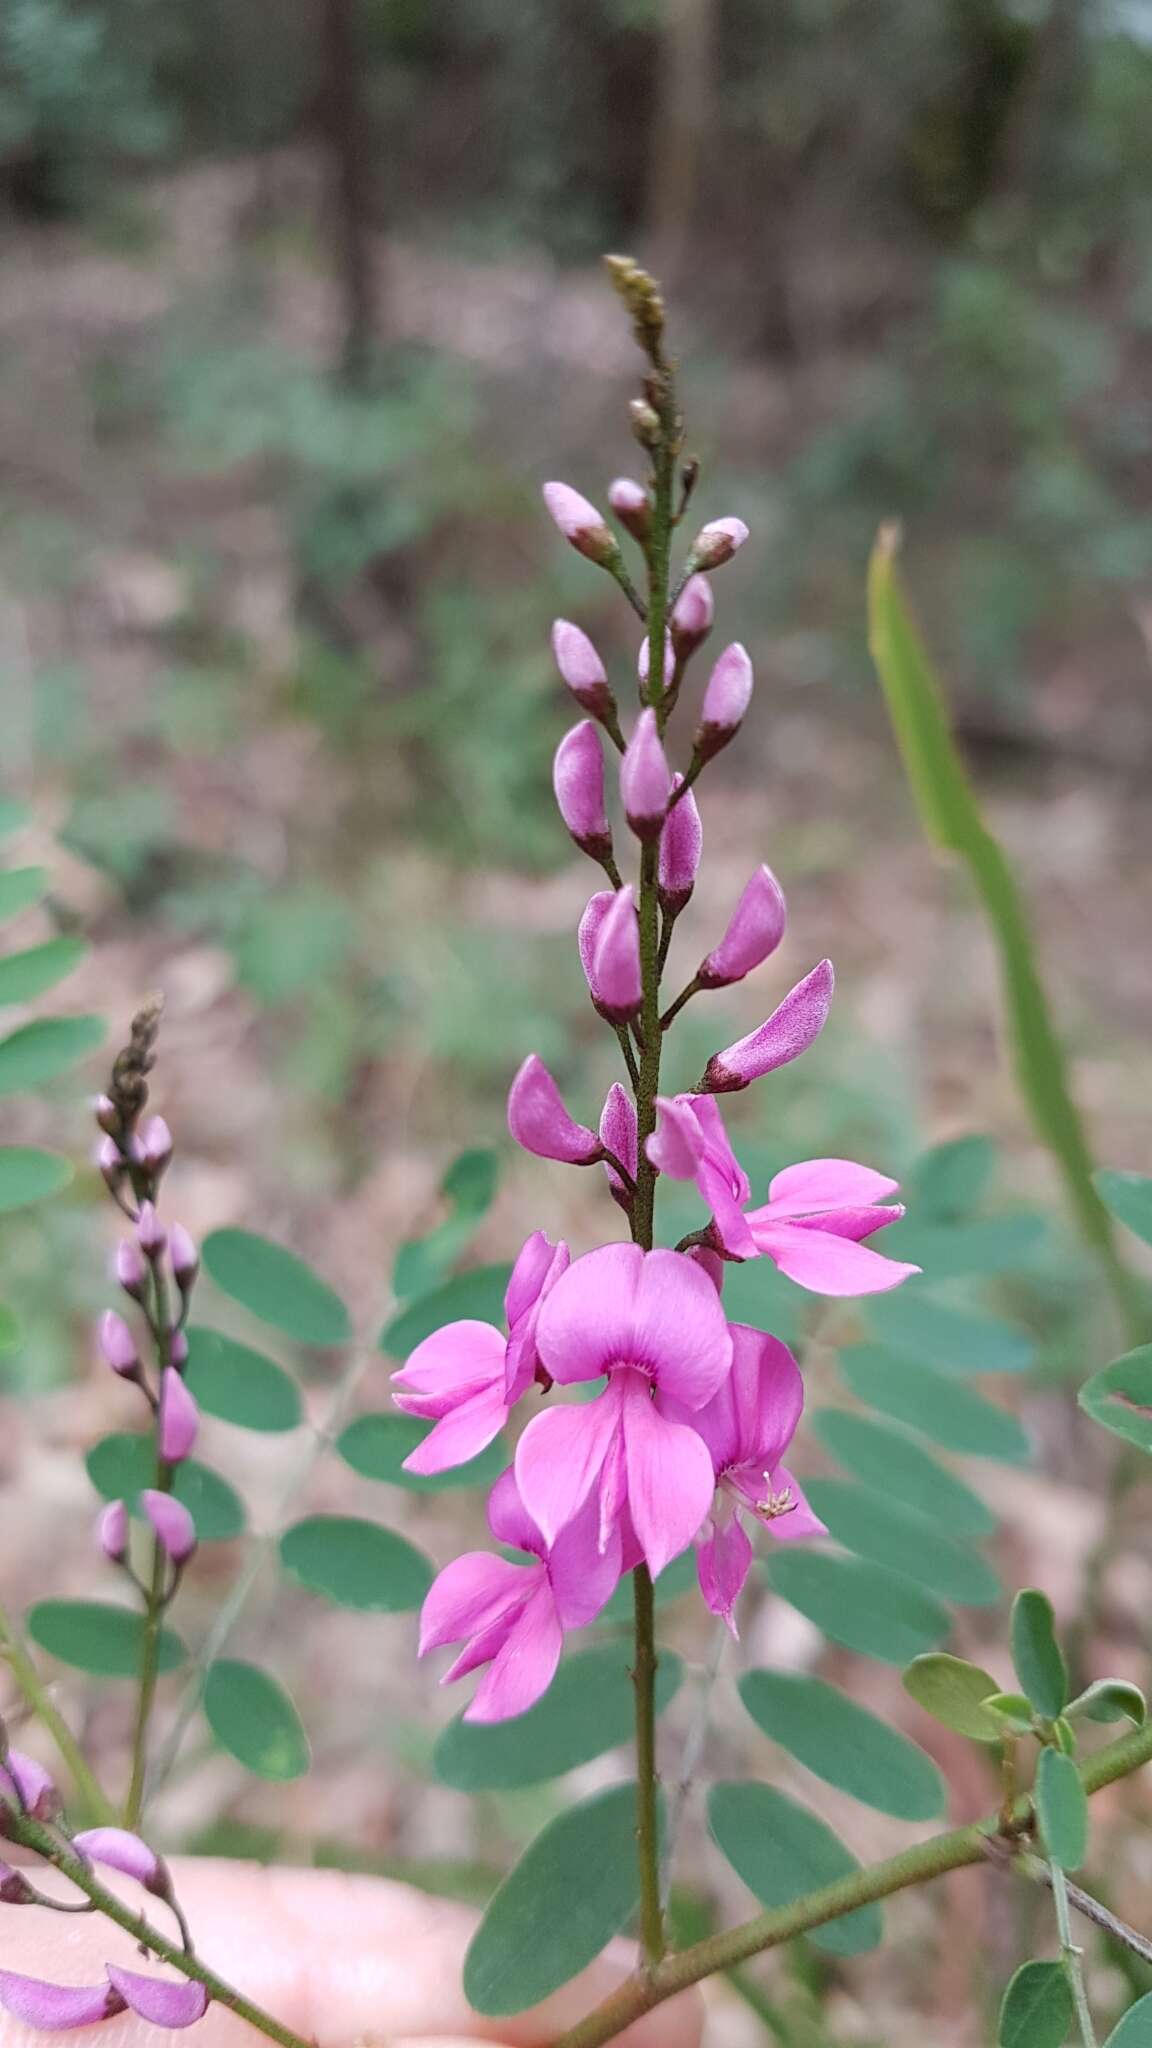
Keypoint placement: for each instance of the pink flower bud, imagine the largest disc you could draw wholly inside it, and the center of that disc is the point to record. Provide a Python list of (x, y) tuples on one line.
[(642, 663), (726, 700), (179, 1418), (788, 1032), (578, 780), (616, 978), (15, 1889), (155, 1146), (645, 779), (150, 1232), (630, 502), (717, 542), (755, 929), (35, 1790), (540, 1123), (681, 842), (582, 670), (161, 2001), (581, 524), (692, 616), (712, 1263), (178, 1349), (110, 1163), (121, 1851), (172, 1525), (588, 931), (618, 1135), (185, 1257), (117, 1345), (107, 1115), (130, 1269), (112, 1531), (56, 2008)]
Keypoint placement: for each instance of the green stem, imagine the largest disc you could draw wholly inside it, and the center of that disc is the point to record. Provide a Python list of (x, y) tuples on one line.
[(89, 1795), (1071, 1956), (647, 1807), (721, 1952), (31, 1835)]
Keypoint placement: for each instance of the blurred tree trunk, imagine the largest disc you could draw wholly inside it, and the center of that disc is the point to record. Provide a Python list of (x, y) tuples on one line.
[(347, 130), (684, 105)]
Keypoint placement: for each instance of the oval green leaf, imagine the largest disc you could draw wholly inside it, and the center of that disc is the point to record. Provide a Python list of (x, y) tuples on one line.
[(939, 1408), (1037, 1655), (1062, 1809), (1135, 2029), (356, 1563), (953, 1692), (273, 1284), (781, 1851), (252, 1717), (240, 1385), (478, 1295), (1129, 1197), (950, 1340), (29, 1175), (1119, 1397), (885, 1458), (39, 1052), (890, 1534), (377, 1445), (1037, 2008), (588, 1708), (1110, 1699), (95, 1636), (120, 1465), (574, 1887), (20, 887), (948, 1181), (24, 976), (859, 1604), (844, 1744)]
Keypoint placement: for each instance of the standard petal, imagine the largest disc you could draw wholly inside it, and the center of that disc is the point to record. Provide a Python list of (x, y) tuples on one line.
[(670, 1480), (559, 1459), (56, 2008), (815, 1184), (463, 1434), (586, 1324), (524, 1668), (826, 1264), (163, 2001), (769, 1394), (723, 1562), (679, 1335), (469, 1595)]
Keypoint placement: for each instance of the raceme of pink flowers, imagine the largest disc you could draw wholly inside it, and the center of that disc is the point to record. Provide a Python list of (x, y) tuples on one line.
[(679, 1423)]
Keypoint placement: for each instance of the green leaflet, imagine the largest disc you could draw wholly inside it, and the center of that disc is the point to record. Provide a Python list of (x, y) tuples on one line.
[(782, 1851), (844, 1743)]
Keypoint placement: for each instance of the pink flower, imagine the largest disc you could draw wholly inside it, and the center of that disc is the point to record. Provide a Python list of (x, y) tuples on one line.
[(645, 779), (578, 781), (717, 542), (538, 1120), (511, 1616), (118, 1345), (815, 1214), (632, 506), (748, 1425), (726, 699), (793, 1026), (171, 1523), (580, 523), (56, 2008), (112, 1531), (681, 842), (467, 1376), (692, 616), (179, 1418), (35, 1789), (618, 1136), (755, 929), (125, 1852), (582, 669), (162, 2001), (652, 1322)]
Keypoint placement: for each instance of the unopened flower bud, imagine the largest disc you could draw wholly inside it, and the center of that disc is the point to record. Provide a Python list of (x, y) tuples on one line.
[(112, 1531), (726, 699), (130, 1268), (35, 1789), (56, 2008), (632, 506), (117, 1345), (578, 780), (581, 524), (645, 779), (540, 1123), (642, 664), (159, 2001), (692, 616), (755, 929), (107, 1116), (616, 979), (110, 1163), (681, 842), (150, 1232), (184, 1255), (119, 1850), (178, 1350), (174, 1529), (618, 1135), (15, 1889), (179, 1418), (645, 422), (582, 670), (788, 1032), (716, 543), (155, 1146)]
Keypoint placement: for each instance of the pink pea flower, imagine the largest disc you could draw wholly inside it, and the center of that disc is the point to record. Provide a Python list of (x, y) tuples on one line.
[(717, 542), (538, 1120), (815, 1215), (162, 2001), (57, 2008), (125, 1852), (652, 1322), (582, 526), (578, 782), (467, 1376), (681, 844), (118, 1345), (614, 972), (512, 1617), (632, 506), (179, 1418), (793, 1026), (748, 1425), (171, 1523), (726, 700), (645, 779), (755, 929), (112, 1531), (618, 1135), (35, 1790), (582, 669), (692, 616)]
